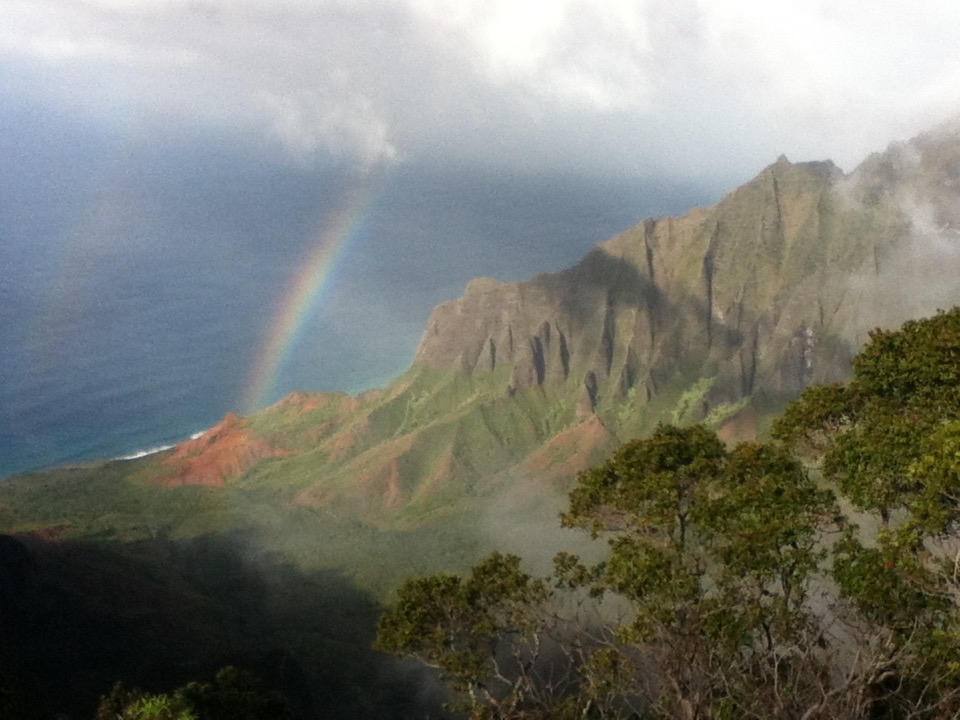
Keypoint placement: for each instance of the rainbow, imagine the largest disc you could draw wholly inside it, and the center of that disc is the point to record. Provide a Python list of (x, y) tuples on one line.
[(305, 289)]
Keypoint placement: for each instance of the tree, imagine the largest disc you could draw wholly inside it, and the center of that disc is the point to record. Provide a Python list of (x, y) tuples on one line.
[(711, 549), (483, 633), (888, 440), (749, 593), (714, 551), (234, 694), (871, 433)]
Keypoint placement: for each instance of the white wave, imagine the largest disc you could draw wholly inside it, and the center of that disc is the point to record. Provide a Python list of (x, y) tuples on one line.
[(143, 453), (137, 454)]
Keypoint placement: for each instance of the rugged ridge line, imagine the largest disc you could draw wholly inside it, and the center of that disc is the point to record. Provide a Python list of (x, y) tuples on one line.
[(748, 290), (720, 315)]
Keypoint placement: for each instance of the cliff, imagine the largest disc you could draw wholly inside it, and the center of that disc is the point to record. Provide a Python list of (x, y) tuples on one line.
[(752, 293), (721, 315)]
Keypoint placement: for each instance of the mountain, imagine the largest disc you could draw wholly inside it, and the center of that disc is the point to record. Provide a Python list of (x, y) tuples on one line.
[(721, 315)]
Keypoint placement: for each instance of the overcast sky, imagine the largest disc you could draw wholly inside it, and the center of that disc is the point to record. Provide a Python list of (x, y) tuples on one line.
[(688, 88)]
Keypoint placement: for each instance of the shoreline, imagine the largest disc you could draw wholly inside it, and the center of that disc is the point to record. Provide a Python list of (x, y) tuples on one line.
[(93, 462), (137, 454)]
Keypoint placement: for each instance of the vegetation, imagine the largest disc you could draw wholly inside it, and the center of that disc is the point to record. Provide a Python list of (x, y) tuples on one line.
[(233, 695), (812, 576), (738, 583), (76, 617)]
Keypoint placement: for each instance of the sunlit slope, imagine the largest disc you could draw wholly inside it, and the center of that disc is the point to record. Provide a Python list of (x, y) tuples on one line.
[(720, 315)]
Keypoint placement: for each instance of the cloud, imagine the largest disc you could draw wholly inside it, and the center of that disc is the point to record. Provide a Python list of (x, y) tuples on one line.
[(847, 76), (308, 122), (690, 87), (590, 53)]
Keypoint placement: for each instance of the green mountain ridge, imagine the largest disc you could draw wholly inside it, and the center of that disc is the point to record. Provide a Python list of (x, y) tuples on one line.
[(721, 315)]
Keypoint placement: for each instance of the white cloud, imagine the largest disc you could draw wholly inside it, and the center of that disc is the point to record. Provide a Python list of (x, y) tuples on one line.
[(310, 122), (616, 85), (586, 52), (845, 75)]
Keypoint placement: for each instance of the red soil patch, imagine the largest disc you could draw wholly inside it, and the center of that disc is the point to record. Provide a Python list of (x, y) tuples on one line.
[(740, 428), (390, 483), (306, 402), (342, 443), (375, 477), (568, 453), (321, 431), (222, 453), (378, 479), (378, 488), (442, 472)]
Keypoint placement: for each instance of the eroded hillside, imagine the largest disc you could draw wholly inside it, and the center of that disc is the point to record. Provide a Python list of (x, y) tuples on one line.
[(719, 315)]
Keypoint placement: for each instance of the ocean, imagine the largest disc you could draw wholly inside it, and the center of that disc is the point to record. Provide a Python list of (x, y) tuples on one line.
[(145, 292)]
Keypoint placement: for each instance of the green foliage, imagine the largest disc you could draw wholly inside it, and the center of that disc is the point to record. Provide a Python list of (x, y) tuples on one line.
[(764, 515), (158, 707), (455, 623), (649, 483), (870, 461), (890, 441), (123, 704), (749, 593), (890, 583), (714, 550), (114, 704), (936, 474), (817, 416), (233, 695), (719, 414), (872, 432), (687, 404), (885, 436)]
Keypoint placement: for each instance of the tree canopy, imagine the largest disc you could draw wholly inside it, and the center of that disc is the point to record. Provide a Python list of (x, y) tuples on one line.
[(233, 694), (814, 575)]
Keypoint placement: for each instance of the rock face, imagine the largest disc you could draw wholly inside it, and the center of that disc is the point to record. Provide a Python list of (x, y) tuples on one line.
[(754, 292), (721, 316)]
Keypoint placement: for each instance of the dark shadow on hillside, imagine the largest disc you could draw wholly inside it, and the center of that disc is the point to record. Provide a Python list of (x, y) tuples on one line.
[(624, 286), (620, 280), (75, 617)]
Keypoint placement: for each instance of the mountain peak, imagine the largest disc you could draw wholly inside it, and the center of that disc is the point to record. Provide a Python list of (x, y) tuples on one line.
[(718, 316)]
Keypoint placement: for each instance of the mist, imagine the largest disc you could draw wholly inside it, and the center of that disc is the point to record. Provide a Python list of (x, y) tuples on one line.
[(915, 275)]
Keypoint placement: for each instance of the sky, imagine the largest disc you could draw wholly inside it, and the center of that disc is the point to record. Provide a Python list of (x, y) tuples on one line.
[(708, 89)]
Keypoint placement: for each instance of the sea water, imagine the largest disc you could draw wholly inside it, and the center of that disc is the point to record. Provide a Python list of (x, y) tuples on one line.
[(138, 286)]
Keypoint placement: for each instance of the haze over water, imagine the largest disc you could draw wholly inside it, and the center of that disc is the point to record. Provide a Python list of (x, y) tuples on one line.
[(138, 286)]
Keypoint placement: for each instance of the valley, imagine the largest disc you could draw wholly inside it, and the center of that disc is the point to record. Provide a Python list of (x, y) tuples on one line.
[(274, 538)]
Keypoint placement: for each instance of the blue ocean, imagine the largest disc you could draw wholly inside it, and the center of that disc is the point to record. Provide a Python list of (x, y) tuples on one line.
[(139, 285)]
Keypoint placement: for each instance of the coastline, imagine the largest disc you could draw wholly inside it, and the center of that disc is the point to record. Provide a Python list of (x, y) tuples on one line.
[(137, 454), (125, 457)]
